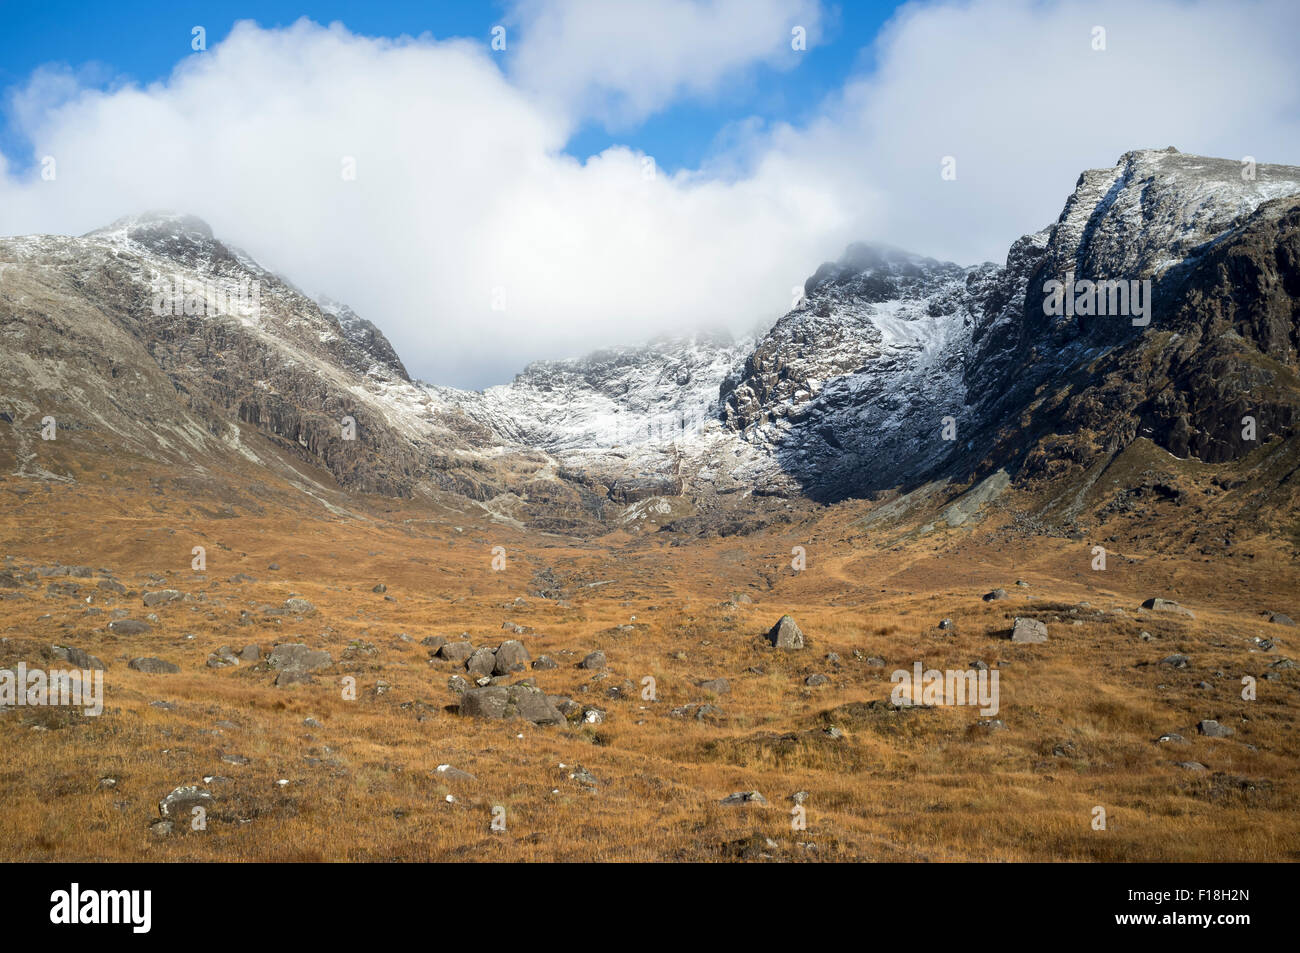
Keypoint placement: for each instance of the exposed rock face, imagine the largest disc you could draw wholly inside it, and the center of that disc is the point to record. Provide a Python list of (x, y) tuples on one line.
[(849, 391), (895, 369)]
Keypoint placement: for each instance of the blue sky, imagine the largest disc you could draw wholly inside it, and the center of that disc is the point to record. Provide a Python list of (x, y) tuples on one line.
[(141, 42)]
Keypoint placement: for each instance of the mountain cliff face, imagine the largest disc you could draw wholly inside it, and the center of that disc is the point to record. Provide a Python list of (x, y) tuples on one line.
[(151, 336)]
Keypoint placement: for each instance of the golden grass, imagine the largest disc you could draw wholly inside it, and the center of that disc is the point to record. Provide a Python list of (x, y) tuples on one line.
[(1081, 711)]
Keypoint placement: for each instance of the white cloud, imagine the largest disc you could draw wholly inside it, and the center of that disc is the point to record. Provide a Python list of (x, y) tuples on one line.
[(462, 186), (620, 62)]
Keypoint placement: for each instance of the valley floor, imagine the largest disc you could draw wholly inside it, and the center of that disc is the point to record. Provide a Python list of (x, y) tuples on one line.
[(1077, 729)]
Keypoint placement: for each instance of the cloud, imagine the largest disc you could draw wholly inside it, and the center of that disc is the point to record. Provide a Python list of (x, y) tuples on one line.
[(463, 194), (621, 62)]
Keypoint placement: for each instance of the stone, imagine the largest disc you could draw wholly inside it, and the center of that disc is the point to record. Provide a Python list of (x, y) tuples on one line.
[(458, 684), (1167, 605), (251, 652), (80, 658), (129, 627), (379, 587), (181, 802), (433, 643), (786, 634), (816, 679), (222, 658), (446, 772), (153, 666), (945, 623), (744, 797), (594, 660), (995, 595), (1281, 619), (1028, 631), (481, 662), (511, 656), (716, 686), (1176, 661), (293, 676), (298, 604), (1212, 729), (544, 662), (161, 597), (294, 656), (513, 701), (456, 651)]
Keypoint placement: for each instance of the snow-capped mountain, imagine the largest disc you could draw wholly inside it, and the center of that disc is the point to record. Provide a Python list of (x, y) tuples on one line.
[(152, 336)]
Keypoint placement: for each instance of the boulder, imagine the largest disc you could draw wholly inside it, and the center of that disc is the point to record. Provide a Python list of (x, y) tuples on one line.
[(154, 666), (716, 686), (161, 597), (1167, 605), (995, 595), (1212, 729), (182, 801), (510, 701), (1028, 630), (786, 634), (511, 656), (80, 658), (129, 627), (296, 657), (594, 660), (482, 662), (456, 651)]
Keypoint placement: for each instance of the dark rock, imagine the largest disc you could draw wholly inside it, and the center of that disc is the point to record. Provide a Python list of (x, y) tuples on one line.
[(511, 656), (481, 662), (1028, 631), (594, 660), (786, 634), (456, 651), (1167, 605), (154, 666), (1212, 729), (129, 627)]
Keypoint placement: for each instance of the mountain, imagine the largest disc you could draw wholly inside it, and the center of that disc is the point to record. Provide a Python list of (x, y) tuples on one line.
[(895, 374)]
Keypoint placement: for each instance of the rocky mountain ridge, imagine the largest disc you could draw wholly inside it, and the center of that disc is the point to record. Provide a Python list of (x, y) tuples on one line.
[(895, 370)]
